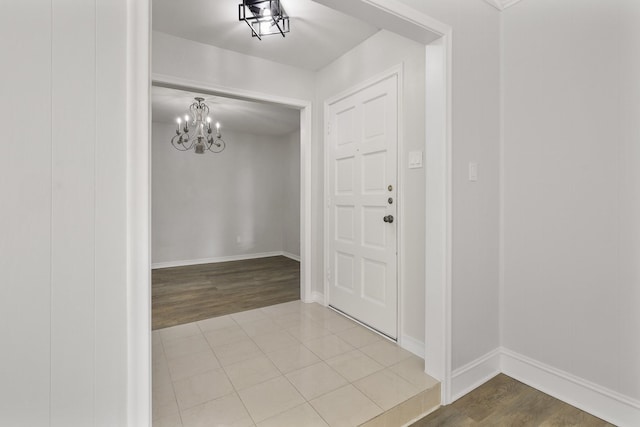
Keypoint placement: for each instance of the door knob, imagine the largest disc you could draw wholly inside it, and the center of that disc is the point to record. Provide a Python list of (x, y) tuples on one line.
[(388, 218)]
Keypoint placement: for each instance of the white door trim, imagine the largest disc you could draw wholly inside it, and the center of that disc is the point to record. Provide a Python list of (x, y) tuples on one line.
[(438, 218), (138, 211), (396, 71), (305, 157)]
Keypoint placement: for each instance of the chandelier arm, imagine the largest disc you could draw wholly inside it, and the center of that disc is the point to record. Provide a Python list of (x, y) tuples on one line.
[(197, 106), (178, 146), (217, 146), (186, 138)]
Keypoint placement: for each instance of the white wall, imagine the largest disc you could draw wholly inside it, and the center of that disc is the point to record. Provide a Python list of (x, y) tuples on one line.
[(238, 72), (63, 296), (362, 63), (476, 137), (291, 205), (571, 293), (207, 64), (231, 204)]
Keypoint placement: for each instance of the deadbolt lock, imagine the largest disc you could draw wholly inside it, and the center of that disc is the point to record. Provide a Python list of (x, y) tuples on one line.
[(390, 188), (390, 200)]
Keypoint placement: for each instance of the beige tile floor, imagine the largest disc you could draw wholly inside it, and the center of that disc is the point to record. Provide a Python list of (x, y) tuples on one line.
[(291, 364)]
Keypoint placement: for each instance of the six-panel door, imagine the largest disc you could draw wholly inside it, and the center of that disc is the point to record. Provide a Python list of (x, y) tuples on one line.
[(362, 143)]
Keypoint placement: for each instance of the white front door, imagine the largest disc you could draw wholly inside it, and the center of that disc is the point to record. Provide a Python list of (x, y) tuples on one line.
[(362, 138)]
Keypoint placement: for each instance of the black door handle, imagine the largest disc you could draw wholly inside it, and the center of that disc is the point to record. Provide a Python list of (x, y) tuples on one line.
[(388, 218)]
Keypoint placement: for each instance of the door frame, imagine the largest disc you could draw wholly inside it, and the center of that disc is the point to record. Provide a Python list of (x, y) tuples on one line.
[(396, 71), (305, 108), (389, 14)]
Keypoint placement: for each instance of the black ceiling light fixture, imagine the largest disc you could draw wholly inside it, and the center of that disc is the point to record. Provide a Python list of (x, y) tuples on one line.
[(264, 17)]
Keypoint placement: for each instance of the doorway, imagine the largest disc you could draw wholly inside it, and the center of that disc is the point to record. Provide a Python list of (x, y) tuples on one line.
[(401, 19), (225, 225)]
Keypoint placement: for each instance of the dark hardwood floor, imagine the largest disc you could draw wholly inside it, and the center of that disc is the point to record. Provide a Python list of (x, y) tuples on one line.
[(504, 401), (187, 294)]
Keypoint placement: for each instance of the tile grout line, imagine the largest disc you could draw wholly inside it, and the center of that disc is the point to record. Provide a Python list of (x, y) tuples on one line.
[(283, 375), (263, 353), (221, 368), (279, 328), (175, 397)]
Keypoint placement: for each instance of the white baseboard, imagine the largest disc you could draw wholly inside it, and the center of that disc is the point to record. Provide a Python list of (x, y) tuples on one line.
[(413, 345), (290, 255), (316, 297), (183, 263), (474, 374), (592, 398), (609, 405)]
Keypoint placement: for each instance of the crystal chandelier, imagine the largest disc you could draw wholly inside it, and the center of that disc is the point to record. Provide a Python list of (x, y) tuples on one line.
[(197, 133)]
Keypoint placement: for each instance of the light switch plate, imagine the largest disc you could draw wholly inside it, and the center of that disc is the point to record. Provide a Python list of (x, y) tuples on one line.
[(473, 171), (415, 159)]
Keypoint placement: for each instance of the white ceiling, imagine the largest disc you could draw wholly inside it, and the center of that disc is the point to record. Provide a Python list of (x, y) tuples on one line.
[(233, 114), (318, 36)]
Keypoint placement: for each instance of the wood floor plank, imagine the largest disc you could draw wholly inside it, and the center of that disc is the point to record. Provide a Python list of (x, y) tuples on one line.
[(530, 408), (568, 415), (191, 293), (450, 417), (503, 401), (489, 397)]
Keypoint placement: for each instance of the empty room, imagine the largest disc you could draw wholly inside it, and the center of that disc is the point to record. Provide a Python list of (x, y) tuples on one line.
[(225, 219)]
